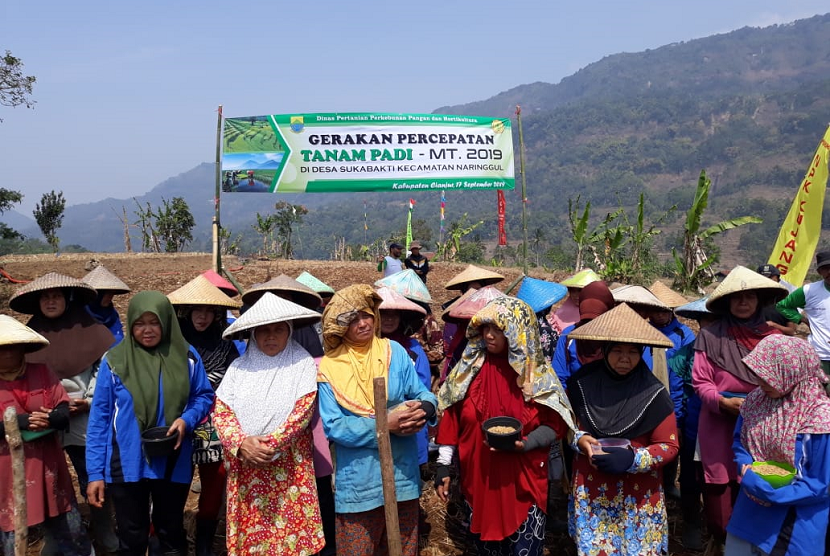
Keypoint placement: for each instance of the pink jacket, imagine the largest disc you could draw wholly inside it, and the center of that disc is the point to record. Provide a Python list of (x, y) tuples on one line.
[(716, 428)]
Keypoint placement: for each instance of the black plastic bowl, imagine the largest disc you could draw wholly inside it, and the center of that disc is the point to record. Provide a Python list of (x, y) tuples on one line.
[(501, 441), (156, 442)]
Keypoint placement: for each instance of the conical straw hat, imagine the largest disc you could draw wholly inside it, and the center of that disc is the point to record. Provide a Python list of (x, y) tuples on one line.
[(667, 295), (270, 309), (200, 291), (307, 279), (742, 279), (474, 274), (581, 279), (445, 314), (15, 333), (27, 298), (301, 294), (638, 295), (694, 309), (392, 300), (473, 304), (540, 294), (105, 281), (220, 282), (621, 324), (408, 284)]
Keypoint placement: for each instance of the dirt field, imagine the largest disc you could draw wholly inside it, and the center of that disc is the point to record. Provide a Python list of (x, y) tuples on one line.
[(166, 272)]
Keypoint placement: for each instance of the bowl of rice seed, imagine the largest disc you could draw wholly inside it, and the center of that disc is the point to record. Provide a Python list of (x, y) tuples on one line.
[(775, 473), (502, 432)]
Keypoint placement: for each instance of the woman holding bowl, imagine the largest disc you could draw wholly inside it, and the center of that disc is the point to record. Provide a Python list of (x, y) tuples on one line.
[(152, 379), (502, 373), (617, 504)]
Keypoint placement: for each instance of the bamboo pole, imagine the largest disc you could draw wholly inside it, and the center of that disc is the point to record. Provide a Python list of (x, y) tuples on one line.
[(387, 470), (21, 530), (217, 252), (524, 188), (515, 283)]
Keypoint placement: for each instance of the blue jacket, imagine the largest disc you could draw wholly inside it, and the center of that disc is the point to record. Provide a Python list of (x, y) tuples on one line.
[(679, 334), (113, 439), (109, 317), (793, 518), (680, 366), (357, 477), (422, 368)]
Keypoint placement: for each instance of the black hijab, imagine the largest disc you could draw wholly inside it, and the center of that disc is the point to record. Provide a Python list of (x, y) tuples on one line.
[(610, 405), (216, 352)]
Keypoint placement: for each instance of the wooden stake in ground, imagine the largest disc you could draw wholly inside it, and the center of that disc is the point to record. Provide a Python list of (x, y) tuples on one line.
[(21, 531), (387, 469)]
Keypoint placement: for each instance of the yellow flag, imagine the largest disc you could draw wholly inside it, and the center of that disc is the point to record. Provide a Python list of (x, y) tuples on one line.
[(799, 234)]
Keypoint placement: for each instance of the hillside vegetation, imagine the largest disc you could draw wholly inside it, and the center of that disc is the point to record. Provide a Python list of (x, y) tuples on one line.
[(749, 106)]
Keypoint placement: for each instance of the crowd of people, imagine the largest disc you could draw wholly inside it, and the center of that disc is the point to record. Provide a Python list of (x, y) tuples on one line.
[(269, 401)]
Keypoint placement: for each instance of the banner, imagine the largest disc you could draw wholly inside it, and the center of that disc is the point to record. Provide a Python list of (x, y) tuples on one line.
[(501, 207), (334, 152), (797, 240)]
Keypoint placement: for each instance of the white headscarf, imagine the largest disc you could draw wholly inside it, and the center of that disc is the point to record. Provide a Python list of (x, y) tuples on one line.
[(262, 390)]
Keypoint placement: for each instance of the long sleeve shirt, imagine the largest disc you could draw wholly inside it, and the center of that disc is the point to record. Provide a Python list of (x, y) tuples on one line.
[(113, 438), (357, 473), (791, 519)]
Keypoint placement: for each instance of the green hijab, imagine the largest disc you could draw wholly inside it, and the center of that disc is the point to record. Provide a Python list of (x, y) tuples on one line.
[(140, 369)]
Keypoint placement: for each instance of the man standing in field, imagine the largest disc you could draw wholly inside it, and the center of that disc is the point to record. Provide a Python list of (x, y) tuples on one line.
[(391, 263)]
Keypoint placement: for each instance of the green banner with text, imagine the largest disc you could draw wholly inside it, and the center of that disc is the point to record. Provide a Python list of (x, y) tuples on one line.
[(319, 153)]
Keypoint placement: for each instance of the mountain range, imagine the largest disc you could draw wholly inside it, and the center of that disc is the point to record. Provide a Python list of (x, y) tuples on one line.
[(749, 106)]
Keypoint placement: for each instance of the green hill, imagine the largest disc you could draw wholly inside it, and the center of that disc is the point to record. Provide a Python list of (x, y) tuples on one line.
[(749, 106)]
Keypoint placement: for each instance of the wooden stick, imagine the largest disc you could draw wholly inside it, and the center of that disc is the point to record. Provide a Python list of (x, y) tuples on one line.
[(387, 469), (21, 531)]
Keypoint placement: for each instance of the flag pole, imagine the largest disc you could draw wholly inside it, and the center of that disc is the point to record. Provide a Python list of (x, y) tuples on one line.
[(524, 188), (217, 252)]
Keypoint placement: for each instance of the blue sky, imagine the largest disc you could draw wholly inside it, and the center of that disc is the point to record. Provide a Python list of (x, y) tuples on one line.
[(127, 91)]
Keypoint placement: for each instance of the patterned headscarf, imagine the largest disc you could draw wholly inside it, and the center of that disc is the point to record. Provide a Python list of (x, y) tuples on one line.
[(342, 310), (535, 378), (351, 369), (262, 390), (791, 366)]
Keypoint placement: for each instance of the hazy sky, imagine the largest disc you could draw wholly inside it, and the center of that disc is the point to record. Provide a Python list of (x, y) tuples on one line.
[(127, 91)]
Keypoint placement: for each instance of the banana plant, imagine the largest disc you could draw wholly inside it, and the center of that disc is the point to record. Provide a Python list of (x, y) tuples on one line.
[(586, 238), (693, 270)]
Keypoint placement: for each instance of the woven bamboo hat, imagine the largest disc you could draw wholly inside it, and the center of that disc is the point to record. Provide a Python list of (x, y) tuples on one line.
[(581, 279), (200, 291), (465, 309), (408, 284), (474, 274), (301, 294), (392, 300), (267, 310), (742, 279), (540, 294), (638, 295), (27, 298), (315, 284), (15, 333), (445, 314), (221, 283), (667, 295), (694, 309), (105, 281), (621, 324)]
